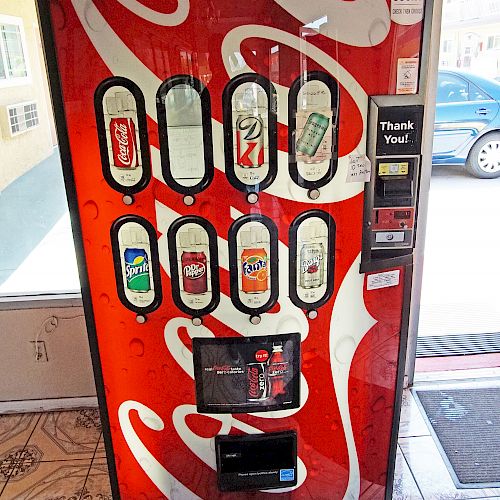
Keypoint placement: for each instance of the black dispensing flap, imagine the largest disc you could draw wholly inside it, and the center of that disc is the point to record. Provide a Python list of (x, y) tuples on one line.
[(257, 461)]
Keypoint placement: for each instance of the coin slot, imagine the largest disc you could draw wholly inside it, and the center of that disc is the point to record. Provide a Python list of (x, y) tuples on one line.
[(313, 110), (185, 134), (123, 136), (137, 268), (253, 258), (250, 143), (194, 266), (311, 259)]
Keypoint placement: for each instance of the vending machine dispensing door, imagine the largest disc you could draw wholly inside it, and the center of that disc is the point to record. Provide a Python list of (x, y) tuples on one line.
[(243, 183)]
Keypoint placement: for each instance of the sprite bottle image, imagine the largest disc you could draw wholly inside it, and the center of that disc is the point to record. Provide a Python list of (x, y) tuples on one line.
[(137, 270), (312, 134)]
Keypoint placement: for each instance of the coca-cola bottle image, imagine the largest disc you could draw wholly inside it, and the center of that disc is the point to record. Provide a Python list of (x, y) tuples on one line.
[(278, 368), (193, 262), (122, 130)]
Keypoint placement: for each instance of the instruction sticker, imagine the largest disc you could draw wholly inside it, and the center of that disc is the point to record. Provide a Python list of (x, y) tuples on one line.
[(407, 79), (359, 169), (382, 280), (407, 12)]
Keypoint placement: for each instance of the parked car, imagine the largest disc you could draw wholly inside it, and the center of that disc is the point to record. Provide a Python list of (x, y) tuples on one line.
[(467, 124)]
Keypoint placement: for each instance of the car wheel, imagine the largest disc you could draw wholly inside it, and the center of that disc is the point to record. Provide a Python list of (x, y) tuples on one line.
[(484, 157)]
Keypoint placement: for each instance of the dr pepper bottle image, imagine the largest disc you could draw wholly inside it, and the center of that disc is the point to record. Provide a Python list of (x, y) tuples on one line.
[(254, 262), (193, 262)]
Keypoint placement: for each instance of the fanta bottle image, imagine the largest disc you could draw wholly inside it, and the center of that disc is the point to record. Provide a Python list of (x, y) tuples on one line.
[(254, 262)]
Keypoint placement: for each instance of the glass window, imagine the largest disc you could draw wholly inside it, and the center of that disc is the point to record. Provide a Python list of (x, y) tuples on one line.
[(13, 64), (452, 89), (37, 256), (476, 94)]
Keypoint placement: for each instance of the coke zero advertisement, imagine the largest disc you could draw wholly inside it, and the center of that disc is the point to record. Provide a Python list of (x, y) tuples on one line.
[(247, 374)]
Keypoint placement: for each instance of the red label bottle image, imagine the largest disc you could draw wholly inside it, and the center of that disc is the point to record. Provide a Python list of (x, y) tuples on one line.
[(278, 368), (194, 261), (123, 142), (194, 272)]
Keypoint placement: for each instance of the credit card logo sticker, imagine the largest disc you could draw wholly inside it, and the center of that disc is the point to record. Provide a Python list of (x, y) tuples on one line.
[(287, 474)]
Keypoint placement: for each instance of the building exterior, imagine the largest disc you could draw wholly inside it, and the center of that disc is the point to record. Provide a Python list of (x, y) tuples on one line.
[(470, 37), (26, 127)]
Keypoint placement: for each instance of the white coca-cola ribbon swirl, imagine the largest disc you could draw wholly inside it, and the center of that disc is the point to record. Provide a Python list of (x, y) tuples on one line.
[(289, 319), (204, 448), (350, 322), (360, 23), (337, 189), (122, 61), (162, 478), (161, 19)]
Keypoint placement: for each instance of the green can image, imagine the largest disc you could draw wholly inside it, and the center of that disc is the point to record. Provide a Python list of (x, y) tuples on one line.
[(137, 270), (313, 133)]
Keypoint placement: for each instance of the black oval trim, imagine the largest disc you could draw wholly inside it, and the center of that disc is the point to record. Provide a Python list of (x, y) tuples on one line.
[(233, 262), (227, 113), (142, 124), (333, 86), (155, 263), (214, 264), (206, 123), (292, 258)]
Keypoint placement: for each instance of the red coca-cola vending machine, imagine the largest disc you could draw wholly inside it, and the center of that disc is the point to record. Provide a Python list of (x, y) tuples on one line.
[(243, 182)]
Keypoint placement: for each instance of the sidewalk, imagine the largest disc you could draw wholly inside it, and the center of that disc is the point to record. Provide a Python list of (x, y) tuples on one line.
[(36, 250)]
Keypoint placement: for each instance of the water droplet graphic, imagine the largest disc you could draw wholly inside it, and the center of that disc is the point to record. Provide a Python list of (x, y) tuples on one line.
[(345, 349), (104, 298), (90, 210), (137, 347), (379, 404)]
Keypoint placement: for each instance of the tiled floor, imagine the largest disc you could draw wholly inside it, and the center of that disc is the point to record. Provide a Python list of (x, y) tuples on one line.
[(60, 456), (56, 456)]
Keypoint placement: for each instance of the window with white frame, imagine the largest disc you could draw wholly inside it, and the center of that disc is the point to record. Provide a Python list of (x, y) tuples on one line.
[(22, 117), (13, 62)]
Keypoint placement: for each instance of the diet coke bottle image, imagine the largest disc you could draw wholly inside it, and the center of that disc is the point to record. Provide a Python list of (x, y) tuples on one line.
[(312, 255), (194, 261), (249, 141), (122, 130), (249, 130), (254, 262), (277, 370)]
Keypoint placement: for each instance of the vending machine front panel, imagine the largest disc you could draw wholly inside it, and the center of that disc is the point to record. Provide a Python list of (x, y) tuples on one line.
[(243, 216)]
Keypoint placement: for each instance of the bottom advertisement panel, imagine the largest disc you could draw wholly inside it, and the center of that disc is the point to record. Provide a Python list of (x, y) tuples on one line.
[(247, 374)]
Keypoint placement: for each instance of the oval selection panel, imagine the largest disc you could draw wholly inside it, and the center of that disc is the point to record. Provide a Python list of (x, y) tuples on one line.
[(137, 268), (194, 267), (123, 137), (253, 258), (313, 108), (311, 259), (250, 144), (185, 133)]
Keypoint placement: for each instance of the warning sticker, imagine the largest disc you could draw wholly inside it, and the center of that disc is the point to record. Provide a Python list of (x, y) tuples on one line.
[(382, 280), (407, 79)]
